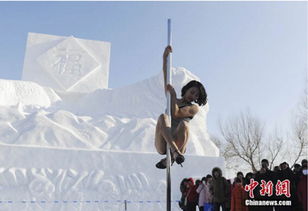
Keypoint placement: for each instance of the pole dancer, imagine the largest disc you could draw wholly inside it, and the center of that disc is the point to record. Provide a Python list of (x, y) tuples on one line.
[(183, 109)]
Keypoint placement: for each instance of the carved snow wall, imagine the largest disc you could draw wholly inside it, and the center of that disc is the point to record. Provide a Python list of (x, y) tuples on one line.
[(36, 178)]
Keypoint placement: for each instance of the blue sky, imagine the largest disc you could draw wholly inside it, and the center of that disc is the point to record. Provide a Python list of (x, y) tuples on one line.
[(249, 55)]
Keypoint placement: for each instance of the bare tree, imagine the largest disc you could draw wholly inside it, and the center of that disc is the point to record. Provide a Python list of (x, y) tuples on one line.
[(243, 137), (274, 147), (300, 129), (243, 140)]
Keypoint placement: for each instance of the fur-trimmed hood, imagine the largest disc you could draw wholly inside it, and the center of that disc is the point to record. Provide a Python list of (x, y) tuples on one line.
[(218, 170)]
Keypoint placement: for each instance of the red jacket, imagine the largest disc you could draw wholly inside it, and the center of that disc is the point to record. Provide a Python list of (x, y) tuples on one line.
[(192, 194), (238, 198), (302, 191)]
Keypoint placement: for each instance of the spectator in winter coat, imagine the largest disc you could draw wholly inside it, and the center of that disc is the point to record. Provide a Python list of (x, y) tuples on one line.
[(267, 175), (220, 189), (286, 174), (208, 195), (228, 202), (240, 175), (276, 169), (302, 188), (192, 195), (304, 164), (201, 190), (265, 164), (239, 195), (183, 185), (297, 171), (183, 189), (247, 178)]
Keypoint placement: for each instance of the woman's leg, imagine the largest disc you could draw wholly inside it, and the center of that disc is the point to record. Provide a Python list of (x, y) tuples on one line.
[(163, 135), (181, 136)]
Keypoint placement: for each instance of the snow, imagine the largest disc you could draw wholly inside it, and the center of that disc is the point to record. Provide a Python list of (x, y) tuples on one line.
[(66, 149), (26, 93), (103, 119), (66, 63), (89, 175)]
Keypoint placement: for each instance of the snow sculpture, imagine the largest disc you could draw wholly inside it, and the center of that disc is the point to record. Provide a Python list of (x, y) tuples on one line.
[(66, 63)]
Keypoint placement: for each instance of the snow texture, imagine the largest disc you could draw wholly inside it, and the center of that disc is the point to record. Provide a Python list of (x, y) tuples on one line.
[(89, 180), (120, 119), (66, 63), (64, 148), (26, 93)]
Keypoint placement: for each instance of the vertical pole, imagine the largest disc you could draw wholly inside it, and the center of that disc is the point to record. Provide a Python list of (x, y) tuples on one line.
[(169, 64), (125, 205)]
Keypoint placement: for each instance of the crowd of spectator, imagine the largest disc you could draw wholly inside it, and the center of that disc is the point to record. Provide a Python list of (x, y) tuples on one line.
[(214, 192)]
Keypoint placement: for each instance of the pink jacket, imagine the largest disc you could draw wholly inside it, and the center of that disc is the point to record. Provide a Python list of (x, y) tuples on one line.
[(204, 194)]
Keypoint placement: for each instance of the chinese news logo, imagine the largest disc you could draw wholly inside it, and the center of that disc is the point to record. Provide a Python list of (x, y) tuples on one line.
[(281, 187)]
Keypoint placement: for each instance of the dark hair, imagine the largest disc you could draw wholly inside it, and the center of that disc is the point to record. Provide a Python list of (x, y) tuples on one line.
[(208, 176), (237, 180), (264, 161), (248, 176), (277, 168), (183, 185), (202, 100), (240, 173)]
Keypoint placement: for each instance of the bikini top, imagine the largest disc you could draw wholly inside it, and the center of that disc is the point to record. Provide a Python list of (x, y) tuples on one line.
[(176, 122), (182, 106)]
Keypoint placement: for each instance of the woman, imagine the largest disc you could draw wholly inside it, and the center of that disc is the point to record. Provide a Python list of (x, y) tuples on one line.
[(238, 197), (208, 206), (182, 111), (201, 190)]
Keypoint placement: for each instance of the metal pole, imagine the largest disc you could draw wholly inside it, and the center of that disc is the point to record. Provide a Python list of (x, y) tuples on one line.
[(169, 64), (125, 205)]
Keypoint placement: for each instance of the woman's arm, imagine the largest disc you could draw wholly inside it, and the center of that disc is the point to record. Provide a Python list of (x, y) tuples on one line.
[(187, 111), (174, 106), (167, 51)]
